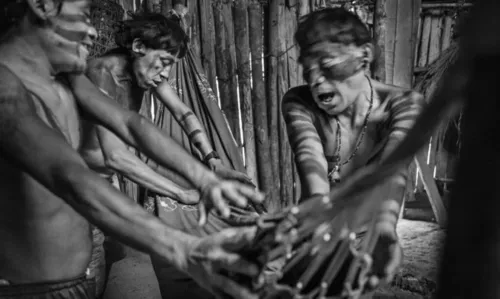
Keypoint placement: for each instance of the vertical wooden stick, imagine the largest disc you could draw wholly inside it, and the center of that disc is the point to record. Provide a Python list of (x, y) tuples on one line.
[(379, 24), (265, 171), (243, 66), (207, 32), (225, 62), (272, 85)]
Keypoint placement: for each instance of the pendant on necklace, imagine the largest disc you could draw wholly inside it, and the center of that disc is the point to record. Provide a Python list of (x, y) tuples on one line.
[(335, 174)]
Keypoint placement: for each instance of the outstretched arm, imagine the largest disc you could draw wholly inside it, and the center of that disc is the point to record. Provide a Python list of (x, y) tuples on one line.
[(195, 132), (119, 158), (403, 110), (306, 147), (62, 170), (143, 134)]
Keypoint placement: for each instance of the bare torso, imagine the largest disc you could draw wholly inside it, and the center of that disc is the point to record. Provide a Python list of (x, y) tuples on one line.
[(42, 237), (111, 74), (313, 134)]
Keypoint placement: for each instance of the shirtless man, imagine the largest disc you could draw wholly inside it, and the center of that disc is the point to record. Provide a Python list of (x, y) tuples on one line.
[(148, 46), (343, 120), (49, 192)]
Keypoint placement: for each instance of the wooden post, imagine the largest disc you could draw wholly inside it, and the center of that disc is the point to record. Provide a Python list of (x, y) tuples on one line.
[(272, 85), (405, 43), (435, 37), (390, 38), (194, 29), (225, 62), (255, 22), (287, 24), (207, 33), (380, 25), (401, 31), (447, 32), (243, 67), (424, 42)]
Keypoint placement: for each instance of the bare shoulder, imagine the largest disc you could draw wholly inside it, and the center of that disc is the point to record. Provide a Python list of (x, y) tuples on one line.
[(299, 97), (389, 94), (15, 102), (12, 90)]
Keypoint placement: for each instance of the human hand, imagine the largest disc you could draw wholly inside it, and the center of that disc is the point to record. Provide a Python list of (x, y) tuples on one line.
[(188, 197), (227, 173), (217, 195), (387, 257), (208, 258)]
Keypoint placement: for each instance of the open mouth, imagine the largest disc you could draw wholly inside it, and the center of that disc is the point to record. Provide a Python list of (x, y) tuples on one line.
[(326, 98)]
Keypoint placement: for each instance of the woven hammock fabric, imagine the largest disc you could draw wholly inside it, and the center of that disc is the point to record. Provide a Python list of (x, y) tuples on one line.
[(192, 87)]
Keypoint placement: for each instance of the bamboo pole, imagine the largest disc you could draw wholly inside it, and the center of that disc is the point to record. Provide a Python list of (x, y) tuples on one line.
[(194, 29), (272, 84), (447, 32), (243, 67), (424, 42), (225, 62), (391, 7), (435, 37), (286, 172), (265, 173), (207, 33), (379, 24)]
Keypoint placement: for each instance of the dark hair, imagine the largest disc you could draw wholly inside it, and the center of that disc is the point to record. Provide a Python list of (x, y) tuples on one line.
[(14, 10), (155, 31), (331, 24)]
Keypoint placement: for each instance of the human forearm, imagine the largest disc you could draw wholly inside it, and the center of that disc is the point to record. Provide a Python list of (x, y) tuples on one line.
[(107, 208), (170, 174), (196, 133), (141, 133), (129, 165)]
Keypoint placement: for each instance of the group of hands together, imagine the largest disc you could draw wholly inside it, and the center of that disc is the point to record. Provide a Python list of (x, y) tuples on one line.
[(209, 259)]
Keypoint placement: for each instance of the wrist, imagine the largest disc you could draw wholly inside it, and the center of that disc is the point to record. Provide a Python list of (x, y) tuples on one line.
[(174, 247), (210, 157)]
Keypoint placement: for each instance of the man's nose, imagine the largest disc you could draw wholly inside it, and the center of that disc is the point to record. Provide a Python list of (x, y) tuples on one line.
[(317, 80)]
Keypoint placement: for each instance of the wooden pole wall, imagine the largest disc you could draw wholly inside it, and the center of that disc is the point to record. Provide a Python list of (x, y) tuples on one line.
[(273, 16), (243, 66), (207, 35), (225, 62), (264, 169), (224, 32)]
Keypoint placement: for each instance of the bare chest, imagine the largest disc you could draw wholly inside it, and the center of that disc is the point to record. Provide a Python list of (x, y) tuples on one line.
[(57, 106), (347, 148)]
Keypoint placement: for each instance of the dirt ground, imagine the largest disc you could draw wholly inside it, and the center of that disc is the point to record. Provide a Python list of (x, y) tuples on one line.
[(133, 277)]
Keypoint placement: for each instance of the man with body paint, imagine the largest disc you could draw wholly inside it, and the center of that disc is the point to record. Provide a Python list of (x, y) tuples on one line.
[(148, 46), (342, 120), (49, 194)]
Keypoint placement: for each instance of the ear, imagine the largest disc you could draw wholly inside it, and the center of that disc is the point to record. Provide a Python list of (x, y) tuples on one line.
[(44, 9), (369, 53), (138, 47)]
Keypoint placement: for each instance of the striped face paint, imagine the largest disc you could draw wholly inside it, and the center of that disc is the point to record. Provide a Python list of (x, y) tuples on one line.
[(153, 67), (333, 72), (70, 36)]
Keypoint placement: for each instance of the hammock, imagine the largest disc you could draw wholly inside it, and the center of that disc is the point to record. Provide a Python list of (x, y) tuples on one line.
[(193, 89)]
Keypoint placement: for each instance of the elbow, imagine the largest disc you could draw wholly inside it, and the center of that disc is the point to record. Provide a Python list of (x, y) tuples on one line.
[(72, 182), (115, 159)]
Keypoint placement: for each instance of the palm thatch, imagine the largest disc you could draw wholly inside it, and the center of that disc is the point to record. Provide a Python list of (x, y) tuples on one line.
[(450, 132), (426, 83)]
